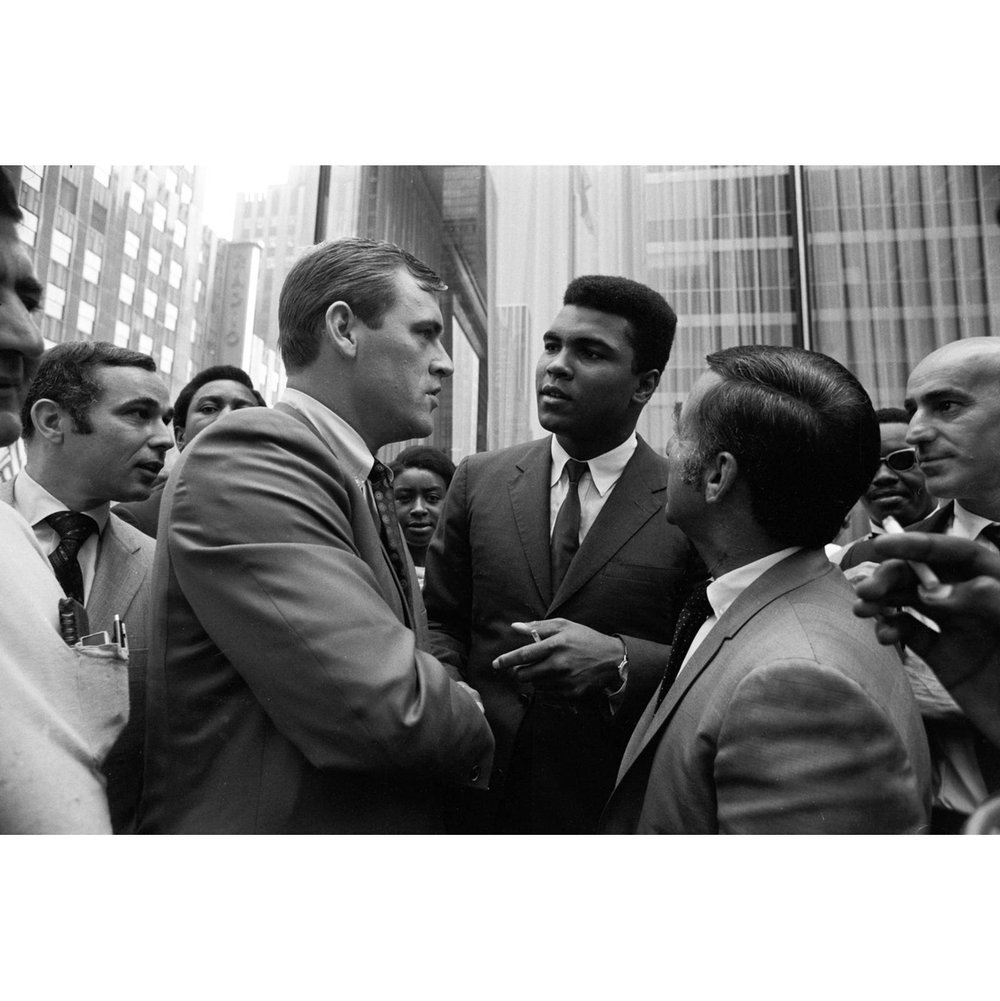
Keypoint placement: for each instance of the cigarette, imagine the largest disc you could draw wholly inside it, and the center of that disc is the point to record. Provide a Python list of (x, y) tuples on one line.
[(535, 636), (928, 578)]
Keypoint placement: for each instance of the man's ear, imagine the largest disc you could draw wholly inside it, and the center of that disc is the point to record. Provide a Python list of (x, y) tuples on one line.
[(721, 475), (342, 328), (179, 437), (50, 420), (648, 381)]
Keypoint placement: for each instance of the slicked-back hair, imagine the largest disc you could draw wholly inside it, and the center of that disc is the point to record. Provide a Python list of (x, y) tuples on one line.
[(652, 322), (9, 207), (804, 434), (424, 457), (357, 271), (66, 376), (892, 415), (184, 397)]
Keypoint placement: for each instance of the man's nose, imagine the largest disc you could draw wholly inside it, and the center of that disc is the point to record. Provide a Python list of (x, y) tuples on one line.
[(161, 439), (442, 366), (884, 475), (558, 365), (418, 504), (18, 332), (918, 430)]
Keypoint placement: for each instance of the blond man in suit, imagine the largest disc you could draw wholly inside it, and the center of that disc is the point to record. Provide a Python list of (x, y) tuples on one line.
[(96, 430), (776, 713)]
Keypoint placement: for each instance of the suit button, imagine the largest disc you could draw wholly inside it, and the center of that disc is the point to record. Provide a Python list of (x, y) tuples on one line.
[(474, 774)]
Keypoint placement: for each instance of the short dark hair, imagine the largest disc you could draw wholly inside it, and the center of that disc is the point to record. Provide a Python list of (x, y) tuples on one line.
[(184, 397), (66, 375), (892, 415), (652, 323), (424, 457), (355, 270), (9, 207), (804, 434)]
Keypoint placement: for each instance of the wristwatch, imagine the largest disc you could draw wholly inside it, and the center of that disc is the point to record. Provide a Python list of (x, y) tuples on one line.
[(622, 669)]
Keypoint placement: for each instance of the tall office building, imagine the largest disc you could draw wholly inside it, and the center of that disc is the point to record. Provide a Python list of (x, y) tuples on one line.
[(513, 354), (123, 257)]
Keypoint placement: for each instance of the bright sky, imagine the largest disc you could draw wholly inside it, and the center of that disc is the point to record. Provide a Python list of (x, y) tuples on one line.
[(224, 181)]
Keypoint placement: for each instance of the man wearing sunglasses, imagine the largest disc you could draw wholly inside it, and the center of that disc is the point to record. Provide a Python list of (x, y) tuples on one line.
[(953, 399)]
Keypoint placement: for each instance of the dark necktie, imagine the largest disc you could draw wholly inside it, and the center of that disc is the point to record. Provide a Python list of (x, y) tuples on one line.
[(566, 531), (694, 613), (74, 529), (392, 538)]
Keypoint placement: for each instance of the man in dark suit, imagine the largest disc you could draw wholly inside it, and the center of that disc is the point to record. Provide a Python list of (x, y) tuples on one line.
[(565, 536), (96, 430), (288, 689), (213, 392), (953, 396), (776, 713)]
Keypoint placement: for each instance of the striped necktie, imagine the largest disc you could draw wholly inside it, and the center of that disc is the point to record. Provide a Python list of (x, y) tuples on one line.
[(380, 479), (74, 529)]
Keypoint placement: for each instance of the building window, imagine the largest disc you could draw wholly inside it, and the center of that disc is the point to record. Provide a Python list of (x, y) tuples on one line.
[(131, 245), (27, 228), (166, 359), (180, 233), (171, 179), (122, 334), (146, 344), (99, 217), (126, 290), (176, 273), (67, 196), (197, 290), (62, 247), (32, 176), (155, 261), (136, 198), (91, 266), (102, 174), (149, 300), (159, 216), (55, 301), (186, 193), (170, 316), (85, 319)]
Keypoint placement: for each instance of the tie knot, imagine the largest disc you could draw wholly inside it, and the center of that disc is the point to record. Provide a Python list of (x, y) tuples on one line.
[(381, 476), (72, 526), (575, 469)]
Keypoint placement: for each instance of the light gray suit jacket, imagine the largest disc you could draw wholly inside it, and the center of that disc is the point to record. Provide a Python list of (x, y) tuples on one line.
[(122, 585), (789, 718)]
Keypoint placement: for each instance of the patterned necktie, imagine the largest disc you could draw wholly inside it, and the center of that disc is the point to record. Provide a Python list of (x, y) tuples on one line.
[(392, 538), (566, 531), (74, 529), (694, 613)]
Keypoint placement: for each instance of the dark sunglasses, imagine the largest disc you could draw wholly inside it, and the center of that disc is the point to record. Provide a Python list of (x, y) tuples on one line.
[(901, 460)]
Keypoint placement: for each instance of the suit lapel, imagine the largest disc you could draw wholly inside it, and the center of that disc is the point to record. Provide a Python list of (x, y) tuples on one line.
[(117, 579), (637, 497), (937, 521), (790, 573), (529, 498)]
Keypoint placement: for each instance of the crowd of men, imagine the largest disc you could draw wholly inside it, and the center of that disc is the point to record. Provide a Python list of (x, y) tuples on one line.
[(571, 635)]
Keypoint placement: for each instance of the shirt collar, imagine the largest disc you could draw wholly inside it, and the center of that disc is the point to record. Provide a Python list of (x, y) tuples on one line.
[(967, 525), (605, 470), (35, 503), (336, 432), (723, 591)]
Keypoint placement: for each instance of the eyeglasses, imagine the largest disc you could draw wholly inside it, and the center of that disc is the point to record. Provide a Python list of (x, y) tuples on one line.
[(901, 460)]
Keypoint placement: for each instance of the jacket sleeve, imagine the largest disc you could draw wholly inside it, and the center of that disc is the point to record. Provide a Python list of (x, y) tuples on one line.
[(262, 544)]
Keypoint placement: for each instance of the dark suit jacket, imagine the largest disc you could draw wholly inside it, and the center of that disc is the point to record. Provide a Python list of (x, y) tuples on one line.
[(789, 718), (488, 566), (286, 694), (122, 585), (143, 515), (862, 551)]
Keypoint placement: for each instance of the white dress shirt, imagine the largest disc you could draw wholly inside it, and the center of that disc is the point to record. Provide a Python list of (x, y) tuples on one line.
[(722, 592), (34, 503), (595, 486)]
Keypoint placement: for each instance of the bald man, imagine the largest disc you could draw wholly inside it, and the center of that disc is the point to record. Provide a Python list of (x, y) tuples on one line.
[(953, 396)]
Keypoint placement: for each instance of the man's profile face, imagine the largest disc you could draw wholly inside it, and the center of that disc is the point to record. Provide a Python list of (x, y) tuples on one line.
[(209, 403), (20, 342), (585, 382), (401, 366), (120, 459), (901, 493), (954, 395)]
